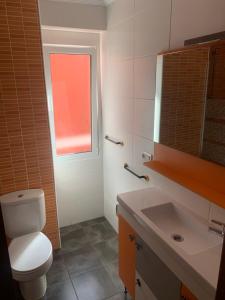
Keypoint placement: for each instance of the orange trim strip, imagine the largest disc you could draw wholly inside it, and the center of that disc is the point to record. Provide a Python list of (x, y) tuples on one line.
[(202, 177)]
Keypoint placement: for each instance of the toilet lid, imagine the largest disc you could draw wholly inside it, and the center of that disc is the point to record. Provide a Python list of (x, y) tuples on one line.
[(29, 252)]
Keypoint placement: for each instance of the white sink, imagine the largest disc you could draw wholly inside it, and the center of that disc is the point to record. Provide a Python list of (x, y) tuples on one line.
[(183, 227)]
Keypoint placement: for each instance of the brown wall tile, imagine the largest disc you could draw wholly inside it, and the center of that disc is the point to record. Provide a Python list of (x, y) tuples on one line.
[(25, 152)]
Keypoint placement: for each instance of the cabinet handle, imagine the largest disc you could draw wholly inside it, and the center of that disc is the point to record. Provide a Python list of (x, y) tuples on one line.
[(117, 206), (138, 246), (138, 281), (131, 237)]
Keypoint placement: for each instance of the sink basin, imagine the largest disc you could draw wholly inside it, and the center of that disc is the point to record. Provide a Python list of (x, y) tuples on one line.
[(183, 227)]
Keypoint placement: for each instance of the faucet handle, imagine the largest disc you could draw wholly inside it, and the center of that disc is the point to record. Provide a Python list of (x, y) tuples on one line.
[(218, 222)]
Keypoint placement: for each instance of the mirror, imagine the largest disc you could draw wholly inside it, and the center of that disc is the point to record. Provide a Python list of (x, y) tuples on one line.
[(190, 101)]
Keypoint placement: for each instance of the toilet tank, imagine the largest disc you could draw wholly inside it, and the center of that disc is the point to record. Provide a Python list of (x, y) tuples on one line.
[(23, 212)]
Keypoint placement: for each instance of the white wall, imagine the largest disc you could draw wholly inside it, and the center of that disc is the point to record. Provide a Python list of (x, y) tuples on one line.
[(137, 31), (72, 15), (196, 18), (79, 183)]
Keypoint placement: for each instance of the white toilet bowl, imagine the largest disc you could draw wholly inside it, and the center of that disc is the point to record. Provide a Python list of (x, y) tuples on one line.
[(31, 258), (30, 251)]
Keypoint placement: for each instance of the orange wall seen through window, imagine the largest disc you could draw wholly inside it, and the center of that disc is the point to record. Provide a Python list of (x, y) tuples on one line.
[(71, 84)]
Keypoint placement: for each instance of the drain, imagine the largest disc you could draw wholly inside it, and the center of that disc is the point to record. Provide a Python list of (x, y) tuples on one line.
[(177, 237)]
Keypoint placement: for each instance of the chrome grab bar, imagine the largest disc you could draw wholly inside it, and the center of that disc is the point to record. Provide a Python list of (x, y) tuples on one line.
[(113, 141), (145, 177), (218, 222)]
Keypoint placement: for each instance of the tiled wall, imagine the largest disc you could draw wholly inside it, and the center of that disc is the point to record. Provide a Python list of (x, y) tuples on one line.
[(137, 31), (135, 35), (25, 152), (185, 77)]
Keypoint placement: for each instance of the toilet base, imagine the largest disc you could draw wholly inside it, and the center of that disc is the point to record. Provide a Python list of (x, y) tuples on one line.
[(33, 289)]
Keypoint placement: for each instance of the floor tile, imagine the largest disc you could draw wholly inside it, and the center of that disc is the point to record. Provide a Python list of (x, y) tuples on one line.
[(73, 240), (113, 271), (107, 249), (82, 260), (61, 291), (58, 272), (92, 222), (68, 229), (99, 232), (89, 255), (109, 227), (120, 296), (94, 285)]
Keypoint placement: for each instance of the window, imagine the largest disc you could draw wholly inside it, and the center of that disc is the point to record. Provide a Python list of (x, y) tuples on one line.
[(71, 82)]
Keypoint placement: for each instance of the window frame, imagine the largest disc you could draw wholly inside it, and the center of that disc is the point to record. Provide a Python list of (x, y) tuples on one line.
[(76, 50)]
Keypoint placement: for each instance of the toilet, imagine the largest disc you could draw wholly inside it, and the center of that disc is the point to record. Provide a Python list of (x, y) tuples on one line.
[(30, 251)]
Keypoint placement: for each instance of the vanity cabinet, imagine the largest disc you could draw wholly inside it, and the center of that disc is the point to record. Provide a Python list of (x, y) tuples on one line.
[(142, 291), (186, 294), (143, 274), (127, 255), (162, 283)]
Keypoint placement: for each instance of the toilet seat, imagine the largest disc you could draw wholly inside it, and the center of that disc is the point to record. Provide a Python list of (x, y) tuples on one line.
[(30, 256)]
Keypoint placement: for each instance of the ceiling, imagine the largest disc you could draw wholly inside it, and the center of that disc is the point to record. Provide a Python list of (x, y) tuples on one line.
[(90, 2)]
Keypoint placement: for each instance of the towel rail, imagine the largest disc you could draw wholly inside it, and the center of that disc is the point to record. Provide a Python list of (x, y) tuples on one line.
[(113, 141), (145, 177)]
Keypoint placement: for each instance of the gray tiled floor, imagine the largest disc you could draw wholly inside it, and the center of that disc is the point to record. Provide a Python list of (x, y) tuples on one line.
[(85, 268)]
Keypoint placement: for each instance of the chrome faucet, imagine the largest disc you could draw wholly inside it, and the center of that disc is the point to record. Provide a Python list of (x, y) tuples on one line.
[(218, 231)]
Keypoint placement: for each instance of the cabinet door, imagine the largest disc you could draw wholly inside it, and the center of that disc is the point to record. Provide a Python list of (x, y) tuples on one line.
[(127, 260), (159, 278), (186, 294), (142, 291)]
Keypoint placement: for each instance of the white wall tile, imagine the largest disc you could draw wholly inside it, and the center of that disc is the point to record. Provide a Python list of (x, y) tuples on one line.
[(147, 4), (119, 79), (112, 85), (118, 11), (141, 145), (141, 5), (145, 77), (118, 115), (116, 178), (152, 28), (195, 18), (125, 78), (144, 118), (121, 40), (140, 29)]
